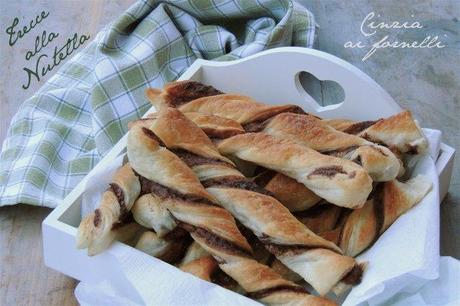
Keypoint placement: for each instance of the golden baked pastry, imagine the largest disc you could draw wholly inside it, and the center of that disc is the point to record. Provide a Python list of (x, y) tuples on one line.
[(399, 132), (163, 170), (356, 230), (97, 230), (319, 262)]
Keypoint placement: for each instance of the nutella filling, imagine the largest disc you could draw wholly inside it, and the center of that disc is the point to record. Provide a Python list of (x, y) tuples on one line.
[(182, 93), (192, 159), (235, 182), (260, 123), (149, 133), (221, 133), (355, 276), (413, 149), (97, 217), (224, 280), (358, 127), (329, 171), (379, 210), (260, 294), (215, 241), (120, 195), (291, 250), (163, 192), (340, 152)]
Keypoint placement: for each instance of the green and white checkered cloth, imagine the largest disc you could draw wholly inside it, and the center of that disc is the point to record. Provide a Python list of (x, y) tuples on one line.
[(65, 128)]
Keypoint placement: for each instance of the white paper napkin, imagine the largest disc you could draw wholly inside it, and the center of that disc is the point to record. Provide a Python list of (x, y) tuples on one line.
[(404, 259)]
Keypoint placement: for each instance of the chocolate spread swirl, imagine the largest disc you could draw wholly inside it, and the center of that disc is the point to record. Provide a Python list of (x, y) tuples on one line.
[(224, 280), (329, 171), (192, 159), (163, 192), (97, 217), (379, 209), (340, 152), (355, 276), (221, 133), (358, 127), (182, 93), (216, 241), (256, 295), (149, 133), (235, 182), (260, 123), (120, 195), (291, 249)]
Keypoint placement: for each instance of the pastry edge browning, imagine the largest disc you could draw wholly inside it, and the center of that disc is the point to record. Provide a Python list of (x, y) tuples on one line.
[(339, 181), (98, 229), (222, 256), (344, 265)]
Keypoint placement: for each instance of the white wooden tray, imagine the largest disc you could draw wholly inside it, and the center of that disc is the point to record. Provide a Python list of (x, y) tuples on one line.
[(272, 77)]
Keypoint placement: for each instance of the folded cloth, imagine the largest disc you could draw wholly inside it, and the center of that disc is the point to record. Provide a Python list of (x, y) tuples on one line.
[(64, 129)]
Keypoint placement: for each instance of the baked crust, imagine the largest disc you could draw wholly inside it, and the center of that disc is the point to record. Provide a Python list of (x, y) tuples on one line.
[(381, 164), (339, 181), (98, 229), (399, 132), (268, 219), (357, 230), (209, 225)]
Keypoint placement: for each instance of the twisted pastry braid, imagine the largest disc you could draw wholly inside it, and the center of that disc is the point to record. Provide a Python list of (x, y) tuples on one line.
[(177, 93), (399, 132), (164, 172), (291, 122), (97, 230), (295, 196), (359, 229), (381, 164), (318, 261), (339, 181)]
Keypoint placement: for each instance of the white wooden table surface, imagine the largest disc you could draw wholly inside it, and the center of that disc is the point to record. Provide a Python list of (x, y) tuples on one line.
[(425, 81)]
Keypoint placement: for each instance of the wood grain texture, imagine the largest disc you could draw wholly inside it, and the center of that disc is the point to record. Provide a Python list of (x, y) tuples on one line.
[(24, 279)]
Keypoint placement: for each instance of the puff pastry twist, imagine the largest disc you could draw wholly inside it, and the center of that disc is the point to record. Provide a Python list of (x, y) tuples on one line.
[(289, 122), (98, 229), (317, 261), (355, 231), (400, 132), (165, 174)]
